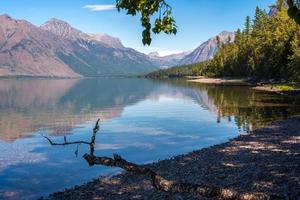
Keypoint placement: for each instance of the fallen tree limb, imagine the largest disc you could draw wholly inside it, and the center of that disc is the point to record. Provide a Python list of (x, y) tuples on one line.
[(91, 143), (65, 143), (165, 185), (161, 183)]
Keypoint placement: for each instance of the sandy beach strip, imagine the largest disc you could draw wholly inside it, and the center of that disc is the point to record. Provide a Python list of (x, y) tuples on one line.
[(221, 81)]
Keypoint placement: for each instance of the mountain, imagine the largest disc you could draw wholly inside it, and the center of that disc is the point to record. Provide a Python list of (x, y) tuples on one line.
[(169, 60), (154, 54), (107, 39), (57, 49), (64, 30), (207, 49), (98, 55), (273, 11), (204, 52), (29, 51)]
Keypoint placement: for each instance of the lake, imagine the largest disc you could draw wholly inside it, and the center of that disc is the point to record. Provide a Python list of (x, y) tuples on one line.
[(142, 120)]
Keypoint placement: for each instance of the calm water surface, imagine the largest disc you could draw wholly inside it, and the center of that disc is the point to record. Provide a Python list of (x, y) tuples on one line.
[(141, 120)]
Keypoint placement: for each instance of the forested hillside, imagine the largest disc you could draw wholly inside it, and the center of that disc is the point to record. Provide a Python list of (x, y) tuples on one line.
[(267, 47)]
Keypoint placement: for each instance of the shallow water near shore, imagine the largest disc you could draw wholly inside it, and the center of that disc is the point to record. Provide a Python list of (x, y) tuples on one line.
[(142, 120)]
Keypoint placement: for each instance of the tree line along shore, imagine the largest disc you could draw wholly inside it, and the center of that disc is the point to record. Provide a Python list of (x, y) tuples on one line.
[(268, 47)]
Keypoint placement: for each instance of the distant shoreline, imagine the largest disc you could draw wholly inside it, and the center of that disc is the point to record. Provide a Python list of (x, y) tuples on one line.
[(263, 161), (264, 86), (289, 89), (221, 81), (268, 85)]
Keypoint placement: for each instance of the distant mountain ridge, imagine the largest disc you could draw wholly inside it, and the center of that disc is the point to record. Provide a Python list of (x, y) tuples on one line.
[(63, 30), (66, 31), (203, 52), (207, 50), (56, 49), (107, 39), (29, 51), (168, 60)]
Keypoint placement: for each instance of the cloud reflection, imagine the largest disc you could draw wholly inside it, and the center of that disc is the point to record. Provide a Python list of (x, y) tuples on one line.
[(129, 128), (13, 154)]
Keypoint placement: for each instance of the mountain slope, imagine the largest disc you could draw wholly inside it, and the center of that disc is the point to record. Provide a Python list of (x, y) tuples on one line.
[(204, 52), (29, 51), (98, 55), (167, 61), (57, 49), (207, 49), (107, 39)]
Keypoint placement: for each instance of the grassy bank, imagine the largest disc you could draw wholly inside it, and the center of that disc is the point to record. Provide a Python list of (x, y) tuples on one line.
[(291, 89)]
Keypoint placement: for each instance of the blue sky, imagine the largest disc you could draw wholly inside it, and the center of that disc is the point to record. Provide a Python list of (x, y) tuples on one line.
[(197, 20)]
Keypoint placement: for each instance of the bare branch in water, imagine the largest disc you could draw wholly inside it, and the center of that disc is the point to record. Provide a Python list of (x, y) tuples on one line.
[(65, 142), (76, 151), (158, 181), (91, 143)]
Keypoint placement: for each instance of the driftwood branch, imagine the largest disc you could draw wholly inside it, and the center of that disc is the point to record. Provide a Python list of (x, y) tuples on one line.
[(91, 143), (65, 142), (165, 185), (158, 181)]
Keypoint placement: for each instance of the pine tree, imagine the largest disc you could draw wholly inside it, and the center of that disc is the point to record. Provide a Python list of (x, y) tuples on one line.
[(229, 39), (238, 37), (259, 19), (218, 42), (281, 5), (247, 30), (268, 49)]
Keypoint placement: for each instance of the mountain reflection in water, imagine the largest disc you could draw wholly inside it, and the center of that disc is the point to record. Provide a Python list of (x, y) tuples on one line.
[(58, 105), (142, 120)]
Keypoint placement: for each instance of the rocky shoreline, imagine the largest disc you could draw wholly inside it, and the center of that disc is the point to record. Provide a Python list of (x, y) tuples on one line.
[(266, 160)]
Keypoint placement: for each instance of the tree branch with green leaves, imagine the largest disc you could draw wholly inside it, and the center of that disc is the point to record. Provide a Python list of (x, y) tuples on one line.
[(163, 22)]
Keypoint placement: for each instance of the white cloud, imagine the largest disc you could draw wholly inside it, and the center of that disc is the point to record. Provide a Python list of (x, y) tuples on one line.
[(100, 7), (159, 50)]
